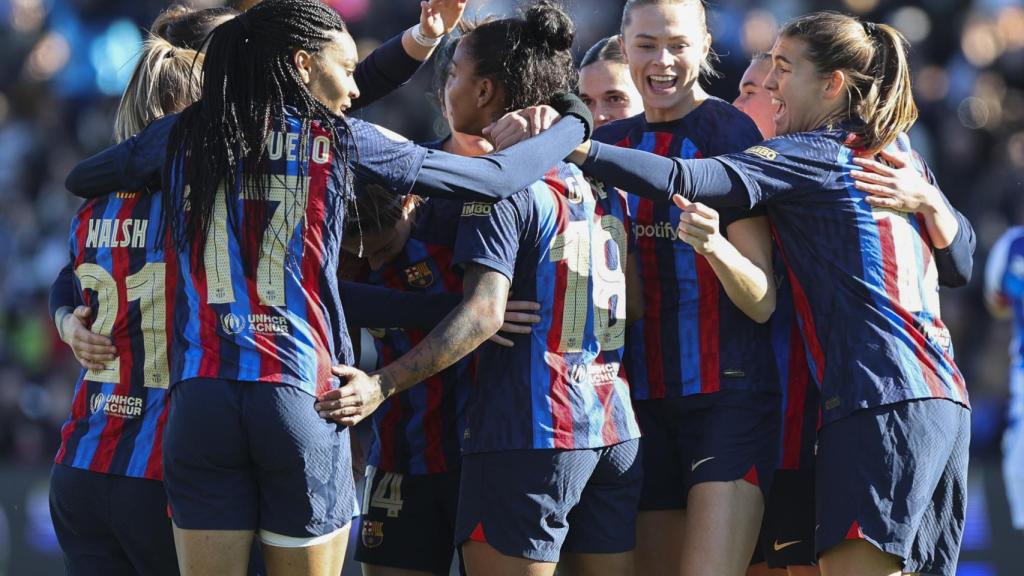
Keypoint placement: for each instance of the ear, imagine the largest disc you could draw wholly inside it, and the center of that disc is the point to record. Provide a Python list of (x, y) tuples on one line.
[(622, 47), (707, 44), (486, 92), (303, 62), (835, 85)]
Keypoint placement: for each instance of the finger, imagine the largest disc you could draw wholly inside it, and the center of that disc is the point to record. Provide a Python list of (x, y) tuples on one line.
[(698, 222), (874, 189), (873, 166), (332, 394), (522, 305), (899, 160), (863, 176), (502, 341), (487, 129), (349, 421), (521, 317), (691, 231), (881, 202), (513, 328), (680, 202), (94, 353), (537, 121), (704, 210), (343, 371), (96, 366), (90, 337), (83, 312)]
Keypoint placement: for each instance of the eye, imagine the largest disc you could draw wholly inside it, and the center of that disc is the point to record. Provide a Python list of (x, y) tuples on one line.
[(617, 99), (587, 100), (645, 46), (679, 47)]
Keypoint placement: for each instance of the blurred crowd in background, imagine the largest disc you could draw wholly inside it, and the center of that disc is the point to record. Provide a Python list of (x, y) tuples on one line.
[(65, 63)]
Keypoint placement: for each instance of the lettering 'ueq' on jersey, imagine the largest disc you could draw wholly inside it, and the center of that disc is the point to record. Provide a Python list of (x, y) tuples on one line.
[(272, 312), (118, 413), (419, 431), (692, 338), (562, 243), (865, 284)]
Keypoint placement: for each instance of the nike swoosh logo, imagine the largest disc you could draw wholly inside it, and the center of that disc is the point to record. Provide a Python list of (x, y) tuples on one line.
[(778, 546), (695, 464)]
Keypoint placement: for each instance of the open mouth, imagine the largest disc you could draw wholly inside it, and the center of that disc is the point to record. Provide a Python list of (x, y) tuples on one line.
[(662, 84), (780, 109)]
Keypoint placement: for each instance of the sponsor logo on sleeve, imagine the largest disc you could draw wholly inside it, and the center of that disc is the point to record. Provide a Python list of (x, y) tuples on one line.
[(763, 151), (476, 209)]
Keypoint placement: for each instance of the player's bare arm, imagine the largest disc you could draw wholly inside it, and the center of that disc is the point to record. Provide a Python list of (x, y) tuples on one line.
[(742, 263), (473, 321)]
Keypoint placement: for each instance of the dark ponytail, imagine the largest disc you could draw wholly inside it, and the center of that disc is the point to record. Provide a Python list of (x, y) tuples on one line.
[(528, 56)]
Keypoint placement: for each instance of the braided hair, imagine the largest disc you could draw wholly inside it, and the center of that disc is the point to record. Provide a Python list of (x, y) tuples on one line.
[(248, 80)]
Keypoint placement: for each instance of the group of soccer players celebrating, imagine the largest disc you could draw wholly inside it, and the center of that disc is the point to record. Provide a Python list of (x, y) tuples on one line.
[(638, 331)]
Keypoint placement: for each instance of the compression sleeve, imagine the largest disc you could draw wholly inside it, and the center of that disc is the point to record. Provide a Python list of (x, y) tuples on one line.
[(499, 175), (130, 165), (369, 306), (658, 178), (386, 69), (62, 292), (955, 263)]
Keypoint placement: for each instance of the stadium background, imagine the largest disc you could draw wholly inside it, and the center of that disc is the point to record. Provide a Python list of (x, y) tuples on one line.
[(65, 62)]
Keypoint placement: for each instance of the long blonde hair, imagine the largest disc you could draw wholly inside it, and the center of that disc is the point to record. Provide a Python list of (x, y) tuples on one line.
[(165, 80)]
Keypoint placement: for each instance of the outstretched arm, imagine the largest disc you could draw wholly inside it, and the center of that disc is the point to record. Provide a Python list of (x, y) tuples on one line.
[(475, 320)]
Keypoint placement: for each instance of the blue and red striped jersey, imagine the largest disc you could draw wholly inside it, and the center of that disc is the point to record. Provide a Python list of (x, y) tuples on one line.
[(1004, 281), (118, 413), (261, 303), (562, 243), (801, 411), (692, 338), (419, 431), (865, 285)]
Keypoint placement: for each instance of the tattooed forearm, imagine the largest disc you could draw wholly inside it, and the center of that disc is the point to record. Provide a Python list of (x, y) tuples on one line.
[(476, 319)]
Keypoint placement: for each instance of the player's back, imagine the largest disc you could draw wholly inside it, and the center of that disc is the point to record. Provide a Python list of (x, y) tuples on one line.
[(260, 304), (862, 276), (118, 413), (564, 388)]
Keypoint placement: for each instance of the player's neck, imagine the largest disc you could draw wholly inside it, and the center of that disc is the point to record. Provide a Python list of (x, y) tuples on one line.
[(467, 145)]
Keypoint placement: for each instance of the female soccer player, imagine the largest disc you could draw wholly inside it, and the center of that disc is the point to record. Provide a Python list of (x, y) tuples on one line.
[(865, 283), (259, 299), (699, 362), (550, 470), (605, 85), (1004, 294), (107, 498)]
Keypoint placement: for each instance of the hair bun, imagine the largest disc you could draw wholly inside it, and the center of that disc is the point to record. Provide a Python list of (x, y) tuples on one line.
[(550, 25)]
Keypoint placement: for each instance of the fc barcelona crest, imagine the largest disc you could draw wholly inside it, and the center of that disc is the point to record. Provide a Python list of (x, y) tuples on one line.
[(419, 275), (372, 533)]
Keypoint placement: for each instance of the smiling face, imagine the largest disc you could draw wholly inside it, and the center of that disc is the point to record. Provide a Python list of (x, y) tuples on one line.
[(754, 100), (805, 98), (664, 46), (608, 91), (329, 74)]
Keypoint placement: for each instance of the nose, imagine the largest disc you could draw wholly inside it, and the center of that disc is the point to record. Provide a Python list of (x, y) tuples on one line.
[(353, 93), (770, 83), (664, 57)]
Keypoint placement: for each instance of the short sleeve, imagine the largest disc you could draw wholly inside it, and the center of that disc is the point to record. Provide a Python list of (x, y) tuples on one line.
[(383, 156), (779, 169), (489, 234), (1004, 270)]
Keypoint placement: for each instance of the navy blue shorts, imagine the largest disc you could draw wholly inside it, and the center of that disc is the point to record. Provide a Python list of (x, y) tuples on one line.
[(718, 437), (787, 537), (537, 504), (408, 520), (896, 476), (255, 456), (110, 525)]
